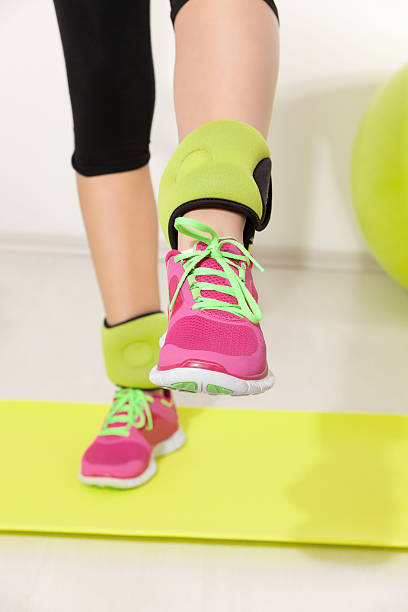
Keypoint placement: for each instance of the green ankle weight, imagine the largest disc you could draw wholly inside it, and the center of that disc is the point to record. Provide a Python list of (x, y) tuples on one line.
[(221, 164), (131, 349)]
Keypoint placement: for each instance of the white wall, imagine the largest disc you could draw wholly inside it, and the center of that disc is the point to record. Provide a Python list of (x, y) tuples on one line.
[(334, 55)]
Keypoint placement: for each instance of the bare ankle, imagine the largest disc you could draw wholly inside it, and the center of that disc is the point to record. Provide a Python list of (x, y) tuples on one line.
[(223, 222)]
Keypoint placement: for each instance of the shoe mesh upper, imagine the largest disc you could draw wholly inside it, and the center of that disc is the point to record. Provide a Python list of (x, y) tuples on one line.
[(201, 333)]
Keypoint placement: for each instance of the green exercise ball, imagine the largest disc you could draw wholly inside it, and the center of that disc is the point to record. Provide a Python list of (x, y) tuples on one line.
[(379, 176)]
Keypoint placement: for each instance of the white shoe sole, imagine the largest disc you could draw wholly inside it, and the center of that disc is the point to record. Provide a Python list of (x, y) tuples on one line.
[(176, 441), (198, 380)]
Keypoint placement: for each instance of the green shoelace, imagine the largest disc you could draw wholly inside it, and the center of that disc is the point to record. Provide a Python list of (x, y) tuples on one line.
[(136, 405), (246, 304)]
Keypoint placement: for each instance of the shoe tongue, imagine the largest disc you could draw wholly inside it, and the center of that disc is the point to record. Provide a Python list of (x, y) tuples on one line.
[(226, 246), (210, 262)]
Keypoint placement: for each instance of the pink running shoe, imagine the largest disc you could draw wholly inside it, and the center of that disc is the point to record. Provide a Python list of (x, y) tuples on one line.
[(214, 343), (140, 426)]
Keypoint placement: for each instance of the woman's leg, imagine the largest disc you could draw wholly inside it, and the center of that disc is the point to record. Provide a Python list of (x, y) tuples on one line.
[(110, 72), (220, 177), (227, 57), (111, 82)]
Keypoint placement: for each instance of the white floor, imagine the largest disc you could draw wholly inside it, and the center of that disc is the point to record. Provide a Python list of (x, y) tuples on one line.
[(337, 341)]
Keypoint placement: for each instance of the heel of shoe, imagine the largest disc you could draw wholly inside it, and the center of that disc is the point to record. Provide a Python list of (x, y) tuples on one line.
[(176, 441)]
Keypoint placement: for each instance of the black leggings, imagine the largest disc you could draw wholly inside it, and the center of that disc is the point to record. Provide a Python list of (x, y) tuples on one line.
[(109, 63)]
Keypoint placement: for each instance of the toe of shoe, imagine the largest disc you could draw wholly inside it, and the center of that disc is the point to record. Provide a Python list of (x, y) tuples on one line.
[(132, 469), (235, 365), (121, 460)]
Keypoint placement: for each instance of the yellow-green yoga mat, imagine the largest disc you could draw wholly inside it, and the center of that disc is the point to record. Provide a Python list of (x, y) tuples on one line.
[(302, 477)]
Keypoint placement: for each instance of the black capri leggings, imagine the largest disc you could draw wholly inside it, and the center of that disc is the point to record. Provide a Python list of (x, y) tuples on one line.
[(109, 63)]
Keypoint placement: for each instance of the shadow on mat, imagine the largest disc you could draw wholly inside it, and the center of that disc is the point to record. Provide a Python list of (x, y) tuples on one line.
[(351, 491)]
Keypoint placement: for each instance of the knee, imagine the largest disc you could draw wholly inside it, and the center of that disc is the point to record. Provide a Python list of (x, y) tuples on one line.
[(177, 4)]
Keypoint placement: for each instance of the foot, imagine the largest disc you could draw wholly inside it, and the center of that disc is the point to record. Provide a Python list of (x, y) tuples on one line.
[(214, 343), (140, 426)]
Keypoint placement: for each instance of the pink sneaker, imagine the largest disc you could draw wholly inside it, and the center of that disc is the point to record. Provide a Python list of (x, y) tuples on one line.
[(140, 426), (214, 342)]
